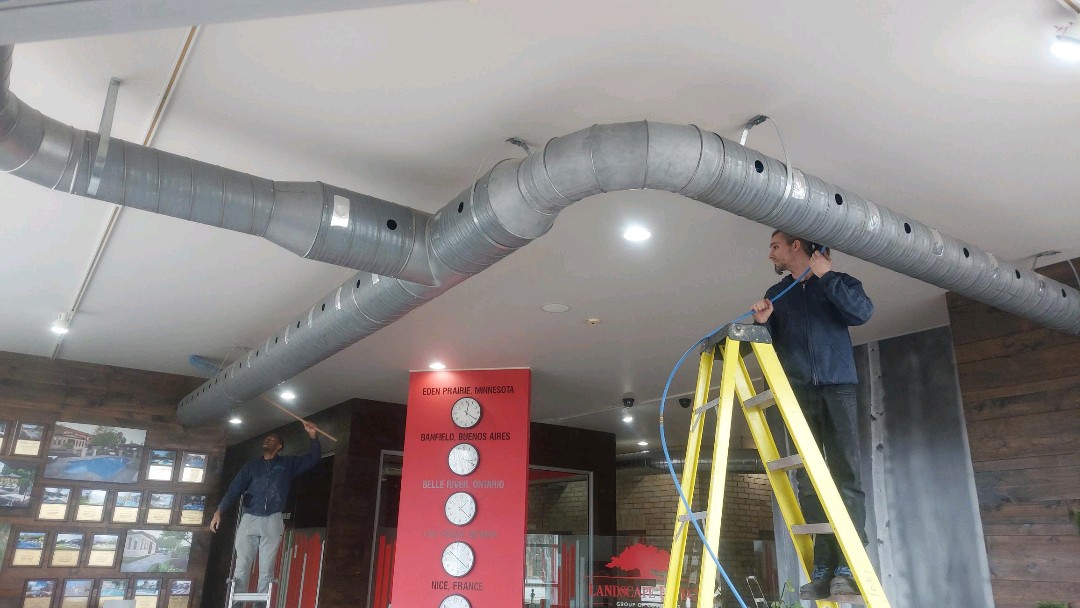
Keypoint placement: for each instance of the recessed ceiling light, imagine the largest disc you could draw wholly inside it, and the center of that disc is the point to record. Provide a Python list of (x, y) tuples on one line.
[(636, 234), (437, 365), (235, 420), (643, 443), (288, 395), (554, 308), (628, 418)]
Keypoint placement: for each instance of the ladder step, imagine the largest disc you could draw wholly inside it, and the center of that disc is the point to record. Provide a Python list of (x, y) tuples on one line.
[(761, 400), (812, 529), (787, 463), (700, 515), (251, 597)]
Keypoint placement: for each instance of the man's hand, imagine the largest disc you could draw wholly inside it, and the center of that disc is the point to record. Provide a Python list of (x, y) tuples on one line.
[(763, 309), (820, 264), (215, 521), (310, 428)]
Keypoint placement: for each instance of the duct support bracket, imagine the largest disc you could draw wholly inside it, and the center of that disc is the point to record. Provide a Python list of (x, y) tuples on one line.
[(105, 132)]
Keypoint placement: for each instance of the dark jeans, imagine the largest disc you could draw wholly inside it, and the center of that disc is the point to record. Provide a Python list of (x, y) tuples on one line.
[(831, 413)]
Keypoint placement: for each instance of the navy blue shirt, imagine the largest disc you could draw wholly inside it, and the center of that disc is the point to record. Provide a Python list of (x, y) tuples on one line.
[(810, 324), (266, 483)]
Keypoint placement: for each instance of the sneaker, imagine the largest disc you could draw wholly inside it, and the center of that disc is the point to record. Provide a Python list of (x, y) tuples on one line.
[(843, 583), (818, 587)]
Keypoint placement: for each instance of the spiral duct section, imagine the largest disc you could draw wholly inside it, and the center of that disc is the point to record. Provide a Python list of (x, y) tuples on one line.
[(407, 257), (311, 219)]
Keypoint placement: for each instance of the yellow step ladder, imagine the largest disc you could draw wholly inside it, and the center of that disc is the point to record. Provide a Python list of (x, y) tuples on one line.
[(735, 382)]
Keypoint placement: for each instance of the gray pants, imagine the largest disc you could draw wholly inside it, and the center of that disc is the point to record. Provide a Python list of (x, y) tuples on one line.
[(262, 534)]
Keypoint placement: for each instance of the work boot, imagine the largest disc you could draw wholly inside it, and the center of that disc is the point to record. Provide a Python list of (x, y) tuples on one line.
[(843, 583), (818, 587)]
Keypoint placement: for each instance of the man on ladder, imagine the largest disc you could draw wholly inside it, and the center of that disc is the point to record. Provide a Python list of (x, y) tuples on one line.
[(264, 483), (809, 328)]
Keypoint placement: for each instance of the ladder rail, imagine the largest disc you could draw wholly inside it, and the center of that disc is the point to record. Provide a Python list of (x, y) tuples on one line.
[(818, 472), (718, 471), (689, 477)]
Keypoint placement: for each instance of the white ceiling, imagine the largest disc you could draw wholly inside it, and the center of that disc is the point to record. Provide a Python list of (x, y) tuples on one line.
[(955, 115)]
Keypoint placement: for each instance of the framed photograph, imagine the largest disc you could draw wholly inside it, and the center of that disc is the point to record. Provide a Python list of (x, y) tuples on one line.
[(161, 464), (3, 435), (67, 549), (192, 508), (91, 505), (112, 589), (103, 550), (160, 508), (156, 551), (16, 482), (76, 593), (54, 503), (28, 440), (95, 452), (126, 507), (39, 593), (193, 467), (29, 549), (179, 593), (146, 592)]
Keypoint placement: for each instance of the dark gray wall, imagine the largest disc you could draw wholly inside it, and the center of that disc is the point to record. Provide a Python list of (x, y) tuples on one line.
[(929, 550)]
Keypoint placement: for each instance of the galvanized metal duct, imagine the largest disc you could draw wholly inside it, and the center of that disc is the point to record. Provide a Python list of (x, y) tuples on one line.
[(507, 208), (311, 219)]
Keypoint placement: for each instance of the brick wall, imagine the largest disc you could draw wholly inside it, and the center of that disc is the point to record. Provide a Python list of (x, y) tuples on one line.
[(649, 503), (559, 507)]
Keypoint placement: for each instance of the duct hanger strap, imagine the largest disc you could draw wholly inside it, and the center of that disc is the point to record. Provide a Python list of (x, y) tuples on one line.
[(104, 132)]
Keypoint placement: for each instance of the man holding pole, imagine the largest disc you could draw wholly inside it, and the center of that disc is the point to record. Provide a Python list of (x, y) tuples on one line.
[(264, 482)]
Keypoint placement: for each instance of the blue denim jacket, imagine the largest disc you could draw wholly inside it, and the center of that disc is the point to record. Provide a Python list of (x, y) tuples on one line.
[(265, 483), (810, 324)]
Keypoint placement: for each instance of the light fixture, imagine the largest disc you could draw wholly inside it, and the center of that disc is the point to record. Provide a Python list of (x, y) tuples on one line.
[(643, 443), (1066, 47), (234, 419), (636, 234), (437, 365), (554, 307), (61, 325), (628, 418), (288, 395)]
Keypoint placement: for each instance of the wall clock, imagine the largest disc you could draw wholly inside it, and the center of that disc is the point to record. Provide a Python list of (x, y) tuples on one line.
[(455, 601), (457, 559), (466, 412), (460, 508), (463, 459)]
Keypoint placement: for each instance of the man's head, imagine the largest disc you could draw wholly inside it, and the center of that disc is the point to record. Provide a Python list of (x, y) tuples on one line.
[(789, 253), (272, 444)]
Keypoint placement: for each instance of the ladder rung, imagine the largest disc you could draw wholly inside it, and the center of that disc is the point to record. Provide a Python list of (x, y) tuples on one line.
[(700, 515), (761, 400), (251, 597), (812, 529), (787, 463)]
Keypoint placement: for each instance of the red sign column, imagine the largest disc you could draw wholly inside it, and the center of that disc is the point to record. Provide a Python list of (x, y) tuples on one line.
[(464, 482)]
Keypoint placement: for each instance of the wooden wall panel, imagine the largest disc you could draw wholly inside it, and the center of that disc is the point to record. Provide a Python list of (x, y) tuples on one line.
[(38, 390), (1021, 389)]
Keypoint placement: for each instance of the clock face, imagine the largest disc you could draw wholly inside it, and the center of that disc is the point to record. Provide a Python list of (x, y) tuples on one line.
[(466, 412), (457, 559), (460, 508), (455, 601), (463, 459)]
